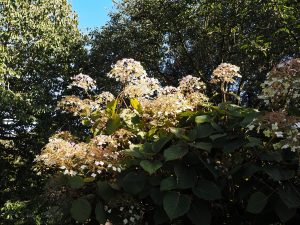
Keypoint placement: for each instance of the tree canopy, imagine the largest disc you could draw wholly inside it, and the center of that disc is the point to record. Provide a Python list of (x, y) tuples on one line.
[(176, 38)]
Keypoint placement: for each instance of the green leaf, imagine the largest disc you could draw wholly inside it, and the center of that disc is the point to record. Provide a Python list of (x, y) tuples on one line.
[(283, 212), (86, 122), (168, 184), (160, 216), (179, 133), (202, 119), (202, 145), (253, 142), (216, 136), (159, 145), (81, 210), (233, 145), (199, 213), (100, 214), (279, 174), (175, 152), (186, 176), (134, 183), (271, 156), (76, 182), (105, 191), (156, 196), (111, 107), (150, 166), (141, 151), (257, 202), (113, 124), (290, 196), (210, 168), (201, 131), (249, 118), (176, 204), (136, 105), (207, 190), (89, 179)]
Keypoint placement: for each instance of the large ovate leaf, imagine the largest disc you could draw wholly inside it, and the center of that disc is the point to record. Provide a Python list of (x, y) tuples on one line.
[(168, 184), (151, 166), (201, 131), (257, 202), (179, 133), (175, 152), (81, 210), (159, 145), (136, 105), (232, 145), (279, 174), (140, 151), (199, 213), (134, 183), (156, 196), (272, 156), (290, 196), (283, 212), (160, 216), (76, 182), (111, 107), (176, 204), (113, 124), (207, 190), (186, 176), (105, 191), (202, 145), (100, 213), (202, 119)]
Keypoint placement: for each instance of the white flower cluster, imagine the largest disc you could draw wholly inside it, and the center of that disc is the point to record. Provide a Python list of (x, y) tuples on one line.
[(281, 90), (104, 98), (190, 84), (225, 73), (164, 109), (90, 159), (160, 104), (78, 106), (127, 70), (282, 128), (83, 81), (142, 88)]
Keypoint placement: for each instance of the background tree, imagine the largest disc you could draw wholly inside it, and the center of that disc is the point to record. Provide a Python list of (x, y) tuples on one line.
[(175, 38), (41, 48)]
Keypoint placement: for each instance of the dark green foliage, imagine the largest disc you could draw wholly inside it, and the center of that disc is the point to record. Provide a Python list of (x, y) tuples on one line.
[(176, 38), (225, 178)]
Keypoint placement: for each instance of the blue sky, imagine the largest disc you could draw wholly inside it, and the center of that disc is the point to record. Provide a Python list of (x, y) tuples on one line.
[(91, 13)]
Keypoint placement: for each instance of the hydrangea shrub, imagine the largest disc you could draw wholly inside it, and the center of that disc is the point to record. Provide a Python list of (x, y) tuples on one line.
[(166, 155)]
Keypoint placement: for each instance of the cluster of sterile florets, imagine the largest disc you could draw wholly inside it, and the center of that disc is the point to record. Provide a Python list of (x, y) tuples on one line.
[(83, 81), (104, 98), (280, 127), (281, 90), (225, 73), (127, 70), (160, 104), (77, 106), (93, 158)]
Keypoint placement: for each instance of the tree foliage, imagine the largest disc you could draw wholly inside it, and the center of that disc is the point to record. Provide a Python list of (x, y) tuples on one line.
[(41, 48), (176, 38)]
